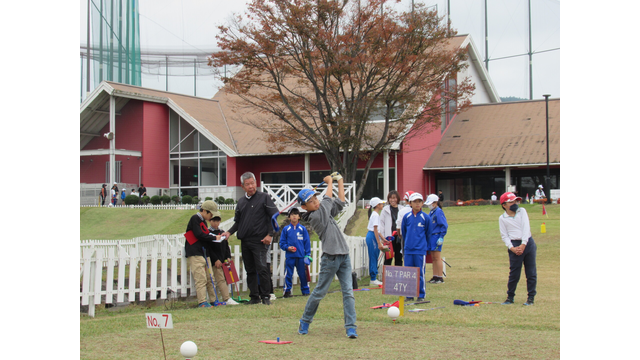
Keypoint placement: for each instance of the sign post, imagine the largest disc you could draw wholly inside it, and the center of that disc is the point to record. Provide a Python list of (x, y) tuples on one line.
[(403, 281), (159, 321)]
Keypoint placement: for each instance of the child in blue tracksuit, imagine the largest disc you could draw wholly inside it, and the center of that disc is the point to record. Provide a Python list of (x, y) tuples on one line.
[(415, 230), (295, 241), (437, 232)]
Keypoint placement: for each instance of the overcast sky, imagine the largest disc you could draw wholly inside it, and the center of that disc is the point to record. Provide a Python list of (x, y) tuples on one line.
[(191, 25)]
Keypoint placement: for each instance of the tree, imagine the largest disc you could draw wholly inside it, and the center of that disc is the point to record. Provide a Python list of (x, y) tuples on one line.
[(320, 70)]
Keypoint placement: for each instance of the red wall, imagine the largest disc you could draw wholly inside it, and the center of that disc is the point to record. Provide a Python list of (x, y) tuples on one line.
[(414, 155), (155, 145)]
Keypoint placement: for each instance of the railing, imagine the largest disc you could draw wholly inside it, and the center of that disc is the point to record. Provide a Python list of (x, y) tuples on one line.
[(285, 194), (155, 267)]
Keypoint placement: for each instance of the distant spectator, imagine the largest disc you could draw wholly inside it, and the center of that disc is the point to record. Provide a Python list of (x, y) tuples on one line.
[(494, 198), (540, 193), (114, 194), (441, 196), (388, 225), (103, 193)]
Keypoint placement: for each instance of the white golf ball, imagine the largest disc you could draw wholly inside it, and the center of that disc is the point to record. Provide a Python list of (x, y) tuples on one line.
[(188, 349), (393, 312)]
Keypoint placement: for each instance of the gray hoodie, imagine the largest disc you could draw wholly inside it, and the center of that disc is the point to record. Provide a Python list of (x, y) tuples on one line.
[(323, 223)]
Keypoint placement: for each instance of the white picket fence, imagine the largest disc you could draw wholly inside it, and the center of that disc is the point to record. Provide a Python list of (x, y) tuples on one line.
[(155, 267)]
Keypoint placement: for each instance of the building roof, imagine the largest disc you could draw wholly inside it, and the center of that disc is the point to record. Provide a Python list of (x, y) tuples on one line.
[(499, 135)]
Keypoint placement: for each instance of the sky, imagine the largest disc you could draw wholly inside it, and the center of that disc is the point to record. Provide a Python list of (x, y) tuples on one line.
[(191, 25)]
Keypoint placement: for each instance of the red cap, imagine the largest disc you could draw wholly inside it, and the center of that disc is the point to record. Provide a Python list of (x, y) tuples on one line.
[(407, 195), (509, 196)]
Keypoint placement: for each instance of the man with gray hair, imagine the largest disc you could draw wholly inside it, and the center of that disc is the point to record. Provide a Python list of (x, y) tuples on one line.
[(253, 224)]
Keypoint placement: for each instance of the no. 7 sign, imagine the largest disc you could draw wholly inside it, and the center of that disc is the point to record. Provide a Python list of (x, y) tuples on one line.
[(159, 321)]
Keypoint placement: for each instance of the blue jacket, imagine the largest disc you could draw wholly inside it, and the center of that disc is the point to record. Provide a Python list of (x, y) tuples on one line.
[(297, 236), (415, 231), (439, 224)]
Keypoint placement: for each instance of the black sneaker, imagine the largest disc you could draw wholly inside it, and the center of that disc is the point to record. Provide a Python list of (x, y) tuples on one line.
[(509, 301), (254, 301), (439, 280), (432, 281), (529, 301), (408, 299), (287, 294), (266, 301)]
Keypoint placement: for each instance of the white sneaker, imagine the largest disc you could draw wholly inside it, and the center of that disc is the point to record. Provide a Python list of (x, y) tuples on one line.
[(272, 297), (375, 283), (231, 302)]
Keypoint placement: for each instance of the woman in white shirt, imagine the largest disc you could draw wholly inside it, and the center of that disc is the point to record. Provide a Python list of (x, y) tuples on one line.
[(515, 231), (374, 239)]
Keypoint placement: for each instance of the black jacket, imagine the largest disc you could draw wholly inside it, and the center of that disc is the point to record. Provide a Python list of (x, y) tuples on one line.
[(204, 238), (253, 217)]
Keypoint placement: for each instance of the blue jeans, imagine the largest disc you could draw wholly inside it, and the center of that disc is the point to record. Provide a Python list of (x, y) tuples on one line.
[(374, 253), (331, 265)]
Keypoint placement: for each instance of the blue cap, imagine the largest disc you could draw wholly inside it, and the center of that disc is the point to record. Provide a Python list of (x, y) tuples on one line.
[(304, 195)]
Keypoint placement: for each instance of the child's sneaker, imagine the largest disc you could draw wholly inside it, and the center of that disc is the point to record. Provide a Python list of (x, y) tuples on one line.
[(230, 301), (303, 328), (287, 294), (529, 301), (439, 280), (432, 281), (272, 297), (509, 301), (351, 333), (375, 283), (204, 305)]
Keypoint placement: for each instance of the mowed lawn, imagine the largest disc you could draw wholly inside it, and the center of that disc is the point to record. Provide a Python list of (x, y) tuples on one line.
[(479, 271)]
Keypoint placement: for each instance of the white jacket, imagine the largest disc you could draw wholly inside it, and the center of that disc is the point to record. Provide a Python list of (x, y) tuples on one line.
[(385, 220)]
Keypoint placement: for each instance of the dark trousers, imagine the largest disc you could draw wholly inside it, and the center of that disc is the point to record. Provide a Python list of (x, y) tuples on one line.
[(396, 253), (255, 264), (528, 258)]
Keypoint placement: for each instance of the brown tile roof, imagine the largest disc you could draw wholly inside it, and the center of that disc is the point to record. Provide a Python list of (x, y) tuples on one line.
[(500, 134)]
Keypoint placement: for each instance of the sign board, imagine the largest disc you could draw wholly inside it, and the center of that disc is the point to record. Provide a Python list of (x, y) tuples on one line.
[(401, 280), (159, 321)]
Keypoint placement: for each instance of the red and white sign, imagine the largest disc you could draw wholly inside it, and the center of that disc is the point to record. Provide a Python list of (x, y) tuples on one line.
[(159, 321)]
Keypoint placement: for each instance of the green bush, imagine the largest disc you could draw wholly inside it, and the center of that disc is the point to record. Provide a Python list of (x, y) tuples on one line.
[(220, 200), (195, 200), (146, 199), (175, 199), (155, 200), (166, 199), (229, 201), (208, 198), (186, 199), (131, 200)]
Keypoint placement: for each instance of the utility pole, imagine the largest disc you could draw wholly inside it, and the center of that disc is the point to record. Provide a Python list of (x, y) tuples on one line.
[(88, 46), (486, 37), (530, 58), (546, 99)]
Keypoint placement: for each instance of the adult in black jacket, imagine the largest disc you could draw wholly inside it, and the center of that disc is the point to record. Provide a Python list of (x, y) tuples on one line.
[(253, 226)]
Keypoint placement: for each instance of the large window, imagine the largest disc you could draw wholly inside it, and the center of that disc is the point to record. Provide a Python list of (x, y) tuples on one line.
[(194, 160)]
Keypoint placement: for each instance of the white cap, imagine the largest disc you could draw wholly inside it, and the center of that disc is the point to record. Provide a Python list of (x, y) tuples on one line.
[(415, 196), (375, 201), (540, 186), (431, 199)]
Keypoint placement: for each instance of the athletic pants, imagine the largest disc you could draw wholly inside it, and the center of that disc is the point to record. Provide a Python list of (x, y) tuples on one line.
[(374, 253), (298, 264), (417, 261), (255, 264), (528, 258)]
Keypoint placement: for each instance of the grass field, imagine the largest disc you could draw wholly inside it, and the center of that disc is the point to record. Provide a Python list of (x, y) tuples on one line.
[(479, 271)]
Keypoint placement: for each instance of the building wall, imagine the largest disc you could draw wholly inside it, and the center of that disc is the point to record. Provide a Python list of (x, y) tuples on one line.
[(155, 145), (415, 153)]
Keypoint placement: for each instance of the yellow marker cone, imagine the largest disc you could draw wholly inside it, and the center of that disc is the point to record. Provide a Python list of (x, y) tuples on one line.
[(543, 228)]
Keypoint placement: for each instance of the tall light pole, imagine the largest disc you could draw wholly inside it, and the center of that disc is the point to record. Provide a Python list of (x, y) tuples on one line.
[(546, 99)]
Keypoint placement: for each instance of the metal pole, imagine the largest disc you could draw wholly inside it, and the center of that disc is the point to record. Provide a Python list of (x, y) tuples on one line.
[(166, 65), (194, 77), (88, 46), (486, 37), (530, 58), (546, 99)]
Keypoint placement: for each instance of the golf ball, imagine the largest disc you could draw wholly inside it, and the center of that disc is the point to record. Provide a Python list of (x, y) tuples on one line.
[(188, 349), (393, 312)]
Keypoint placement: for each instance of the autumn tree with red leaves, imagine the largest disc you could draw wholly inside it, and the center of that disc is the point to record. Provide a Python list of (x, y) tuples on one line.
[(320, 71)]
